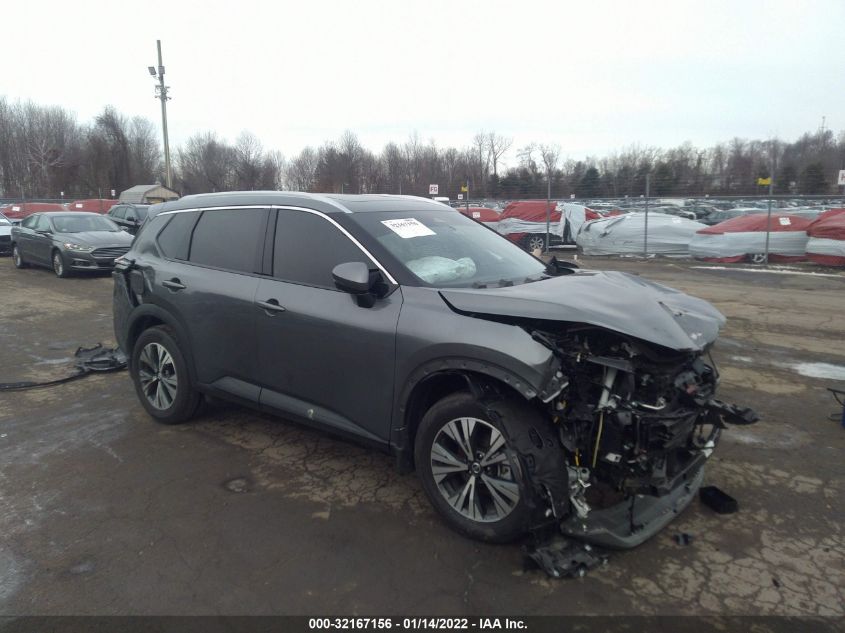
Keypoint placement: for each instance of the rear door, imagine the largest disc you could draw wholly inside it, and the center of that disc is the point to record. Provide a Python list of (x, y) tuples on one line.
[(208, 278), (322, 356)]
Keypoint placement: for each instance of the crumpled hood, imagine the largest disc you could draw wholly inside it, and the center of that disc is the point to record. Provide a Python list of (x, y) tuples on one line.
[(617, 301)]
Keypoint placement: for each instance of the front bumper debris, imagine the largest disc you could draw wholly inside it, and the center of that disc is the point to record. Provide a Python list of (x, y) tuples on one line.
[(633, 521), (561, 557)]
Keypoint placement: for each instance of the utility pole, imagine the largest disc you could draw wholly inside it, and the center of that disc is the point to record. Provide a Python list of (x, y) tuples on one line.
[(467, 192), (769, 218), (645, 239), (773, 164), (548, 209), (161, 93)]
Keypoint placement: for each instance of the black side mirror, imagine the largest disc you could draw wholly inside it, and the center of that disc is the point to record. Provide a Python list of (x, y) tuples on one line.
[(354, 278), (560, 266)]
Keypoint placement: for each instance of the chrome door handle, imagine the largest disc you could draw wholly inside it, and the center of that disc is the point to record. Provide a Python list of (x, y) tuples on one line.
[(271, 305), (173, 284)]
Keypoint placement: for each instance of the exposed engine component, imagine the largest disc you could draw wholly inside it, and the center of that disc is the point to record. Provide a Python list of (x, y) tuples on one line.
[(633, 419)]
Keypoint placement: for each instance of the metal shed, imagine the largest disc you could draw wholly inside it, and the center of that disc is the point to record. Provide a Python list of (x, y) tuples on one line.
[(148, 194)]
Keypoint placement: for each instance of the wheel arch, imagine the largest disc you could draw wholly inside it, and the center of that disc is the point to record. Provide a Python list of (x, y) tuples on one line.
[(429, 384), (147, 316)]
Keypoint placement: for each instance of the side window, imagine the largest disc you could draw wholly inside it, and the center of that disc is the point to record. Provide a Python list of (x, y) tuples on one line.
[(41, 223), (29, 222), (228, 238), (308, 247), (118, 212), (174, 240), (130, 214)]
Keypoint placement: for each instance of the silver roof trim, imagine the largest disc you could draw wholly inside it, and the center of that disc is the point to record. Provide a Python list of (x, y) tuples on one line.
[(292, 208)]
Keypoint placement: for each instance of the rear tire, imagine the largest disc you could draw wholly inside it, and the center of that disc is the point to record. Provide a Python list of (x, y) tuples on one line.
[(160, 375), (757, 258), (491, 507)]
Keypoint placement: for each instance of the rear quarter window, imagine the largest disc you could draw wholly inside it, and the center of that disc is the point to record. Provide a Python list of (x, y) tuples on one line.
[(174, 240)]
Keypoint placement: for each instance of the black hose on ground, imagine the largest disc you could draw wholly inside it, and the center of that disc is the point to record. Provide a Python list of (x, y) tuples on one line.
[(88, 360)]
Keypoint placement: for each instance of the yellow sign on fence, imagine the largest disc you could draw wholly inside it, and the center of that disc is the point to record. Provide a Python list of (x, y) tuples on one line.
[(464, 188), (764, 181)]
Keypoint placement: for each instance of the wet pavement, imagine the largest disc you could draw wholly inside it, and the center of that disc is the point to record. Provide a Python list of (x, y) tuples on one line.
[(102, 511)]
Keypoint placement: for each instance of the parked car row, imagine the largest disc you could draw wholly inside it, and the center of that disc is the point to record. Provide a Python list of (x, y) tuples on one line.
[(16, 212)]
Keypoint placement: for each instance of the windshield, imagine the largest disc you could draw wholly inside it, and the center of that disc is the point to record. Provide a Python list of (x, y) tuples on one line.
[(447, 249), (83, 222)]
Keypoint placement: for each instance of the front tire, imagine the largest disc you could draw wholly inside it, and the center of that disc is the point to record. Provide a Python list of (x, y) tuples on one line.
[(59, 266), (17, 258), (757, 258), (161, 379), (462, 460)]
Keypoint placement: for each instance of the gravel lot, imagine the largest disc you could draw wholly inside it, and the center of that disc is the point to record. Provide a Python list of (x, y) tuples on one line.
[(103, 511)]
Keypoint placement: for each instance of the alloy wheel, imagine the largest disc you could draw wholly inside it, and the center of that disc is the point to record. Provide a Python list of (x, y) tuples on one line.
[(16, 257), (536, 242), (472, 470), (58, 265), (157, 375)]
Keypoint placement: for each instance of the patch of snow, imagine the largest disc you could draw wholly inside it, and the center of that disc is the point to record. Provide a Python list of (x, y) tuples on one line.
[(819, 370), (771, 271)]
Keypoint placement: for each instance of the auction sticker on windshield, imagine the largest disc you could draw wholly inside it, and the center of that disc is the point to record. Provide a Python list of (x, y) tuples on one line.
[(409, 227)]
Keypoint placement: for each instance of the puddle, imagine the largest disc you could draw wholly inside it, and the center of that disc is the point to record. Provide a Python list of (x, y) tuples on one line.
[(818, 370), (52, 361), (743, 359), (237, 485)]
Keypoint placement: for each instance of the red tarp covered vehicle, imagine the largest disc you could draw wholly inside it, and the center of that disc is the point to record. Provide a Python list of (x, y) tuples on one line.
[(17, 212), (744, 237), (482, 214), (522, 220), (826, 243), (96, 205)]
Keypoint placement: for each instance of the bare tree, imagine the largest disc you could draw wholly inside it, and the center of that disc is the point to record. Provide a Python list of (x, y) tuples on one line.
[(144, 151), (301, 172), (497, 145)]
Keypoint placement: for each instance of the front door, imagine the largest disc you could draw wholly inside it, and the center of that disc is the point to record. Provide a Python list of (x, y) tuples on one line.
[(322, 356), (42, 240)]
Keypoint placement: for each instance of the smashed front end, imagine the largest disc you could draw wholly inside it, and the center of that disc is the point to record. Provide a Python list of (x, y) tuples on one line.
[(636, 422)]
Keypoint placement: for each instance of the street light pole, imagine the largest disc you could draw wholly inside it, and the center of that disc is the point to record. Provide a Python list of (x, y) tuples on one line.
[(161, 93)]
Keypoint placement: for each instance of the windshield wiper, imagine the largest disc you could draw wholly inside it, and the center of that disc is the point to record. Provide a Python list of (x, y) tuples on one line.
[(540, 277), (502, 283)]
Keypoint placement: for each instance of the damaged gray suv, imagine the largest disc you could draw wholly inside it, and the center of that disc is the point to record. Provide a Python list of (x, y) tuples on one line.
[(524, 394)]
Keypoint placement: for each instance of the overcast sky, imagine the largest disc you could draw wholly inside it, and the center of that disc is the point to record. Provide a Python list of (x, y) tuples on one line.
[(591, 76)]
